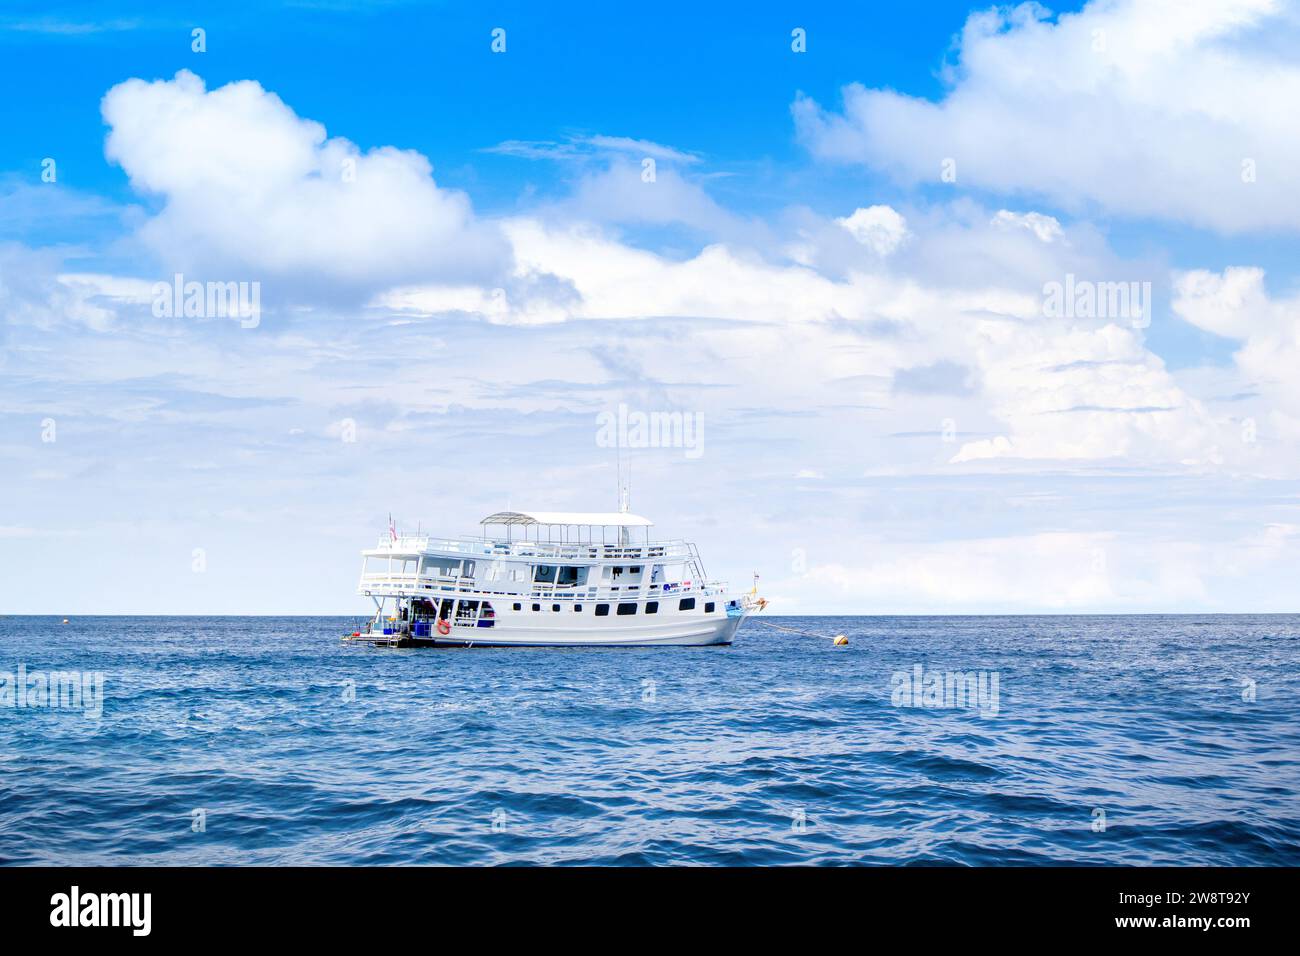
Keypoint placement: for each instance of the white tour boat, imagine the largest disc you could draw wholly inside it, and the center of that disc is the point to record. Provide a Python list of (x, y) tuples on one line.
[(552, 579)]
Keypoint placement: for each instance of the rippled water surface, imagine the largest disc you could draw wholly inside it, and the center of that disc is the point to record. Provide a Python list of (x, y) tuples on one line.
[(780, 749)]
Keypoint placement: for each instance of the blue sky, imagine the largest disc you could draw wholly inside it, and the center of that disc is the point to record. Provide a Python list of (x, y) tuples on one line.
[(891, 423), (716, 78)]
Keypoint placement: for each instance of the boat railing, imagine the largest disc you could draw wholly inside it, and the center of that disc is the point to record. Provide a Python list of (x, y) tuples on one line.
[(410, 582), (546, 550)]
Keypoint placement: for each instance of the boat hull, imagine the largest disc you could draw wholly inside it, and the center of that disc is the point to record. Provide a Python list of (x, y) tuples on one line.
[(694, 632)]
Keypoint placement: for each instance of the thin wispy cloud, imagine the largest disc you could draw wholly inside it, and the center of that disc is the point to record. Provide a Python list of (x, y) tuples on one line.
[(584, 148), (53, 26)]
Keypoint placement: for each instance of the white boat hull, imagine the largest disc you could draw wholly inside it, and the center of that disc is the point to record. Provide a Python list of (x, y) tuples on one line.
[(685, 632)]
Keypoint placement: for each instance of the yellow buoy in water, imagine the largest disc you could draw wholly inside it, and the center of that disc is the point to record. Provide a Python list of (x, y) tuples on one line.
[(840, 641)]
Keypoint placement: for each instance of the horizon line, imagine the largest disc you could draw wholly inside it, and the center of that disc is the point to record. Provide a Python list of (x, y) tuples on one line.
[(351, 614)]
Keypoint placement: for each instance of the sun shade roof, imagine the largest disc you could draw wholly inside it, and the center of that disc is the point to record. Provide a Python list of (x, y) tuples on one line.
[(608, 519)]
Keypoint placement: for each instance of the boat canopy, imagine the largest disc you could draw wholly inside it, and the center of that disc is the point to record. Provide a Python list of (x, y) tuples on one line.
[(593, 519)]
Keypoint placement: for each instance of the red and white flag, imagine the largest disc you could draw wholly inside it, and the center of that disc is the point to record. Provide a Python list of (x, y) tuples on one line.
[(392, 528)]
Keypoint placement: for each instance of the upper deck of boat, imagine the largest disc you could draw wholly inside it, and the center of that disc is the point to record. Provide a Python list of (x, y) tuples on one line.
[(552, 537)]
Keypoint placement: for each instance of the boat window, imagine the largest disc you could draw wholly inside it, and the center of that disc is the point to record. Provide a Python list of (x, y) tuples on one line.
[(519, 607), (555, 607), (544, 574), (670, 575), (469, 569), (628, 608), (577, 607), (602, 610), (708, 607), (570, 576), (537, 607), (686, 604), (652, 607), (440, 567), (636, 570)]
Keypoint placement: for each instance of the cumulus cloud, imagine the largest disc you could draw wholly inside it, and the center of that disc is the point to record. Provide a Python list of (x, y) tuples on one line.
[(1236, 305), (979, 352), (1232, 303), (879, 228), (249, 187), (1147, 108), (1084, 391), (611, 279)]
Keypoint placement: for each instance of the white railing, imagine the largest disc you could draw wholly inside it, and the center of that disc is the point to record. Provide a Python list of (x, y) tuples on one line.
[(408, 583), (555, 551)]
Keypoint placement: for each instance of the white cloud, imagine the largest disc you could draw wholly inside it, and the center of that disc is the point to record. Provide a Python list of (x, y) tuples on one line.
[(1084, 391), (879, 228), (1236, 305), (623, 192), (1061, 390), (1056, 571), (582, 148), (1146, 108), (1233, 304), (33, 293), (640, 147), (614, 280), (1046, 228), (252, 188)]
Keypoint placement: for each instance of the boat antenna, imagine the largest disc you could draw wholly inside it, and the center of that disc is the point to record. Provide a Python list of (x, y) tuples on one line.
[(622, 488), (625, 496)]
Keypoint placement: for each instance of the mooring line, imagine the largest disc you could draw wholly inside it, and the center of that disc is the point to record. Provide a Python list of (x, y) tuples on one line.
[(838, 640)]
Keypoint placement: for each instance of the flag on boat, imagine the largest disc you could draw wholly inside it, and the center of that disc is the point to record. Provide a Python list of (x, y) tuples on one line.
[(392, 528)]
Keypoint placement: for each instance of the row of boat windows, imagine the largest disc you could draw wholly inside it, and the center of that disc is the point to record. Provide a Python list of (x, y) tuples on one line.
[(629, 607)]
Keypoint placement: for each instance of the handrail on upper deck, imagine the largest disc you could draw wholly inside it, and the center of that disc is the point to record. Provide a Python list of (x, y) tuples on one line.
[(489, 548)]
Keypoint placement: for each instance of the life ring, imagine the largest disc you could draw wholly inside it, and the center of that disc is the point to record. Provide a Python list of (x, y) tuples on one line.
[(444, 628)]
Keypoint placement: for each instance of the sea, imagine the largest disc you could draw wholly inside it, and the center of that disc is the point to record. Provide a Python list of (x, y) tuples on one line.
[(963, 741)]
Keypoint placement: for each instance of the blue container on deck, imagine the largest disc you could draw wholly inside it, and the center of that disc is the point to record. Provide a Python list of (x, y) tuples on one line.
[(421, 628)]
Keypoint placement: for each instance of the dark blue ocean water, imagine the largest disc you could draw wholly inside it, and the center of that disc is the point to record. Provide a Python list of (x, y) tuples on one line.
[(781, 749)]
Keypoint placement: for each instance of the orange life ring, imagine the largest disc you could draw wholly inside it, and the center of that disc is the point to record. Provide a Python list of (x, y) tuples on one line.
[(444, 628)]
